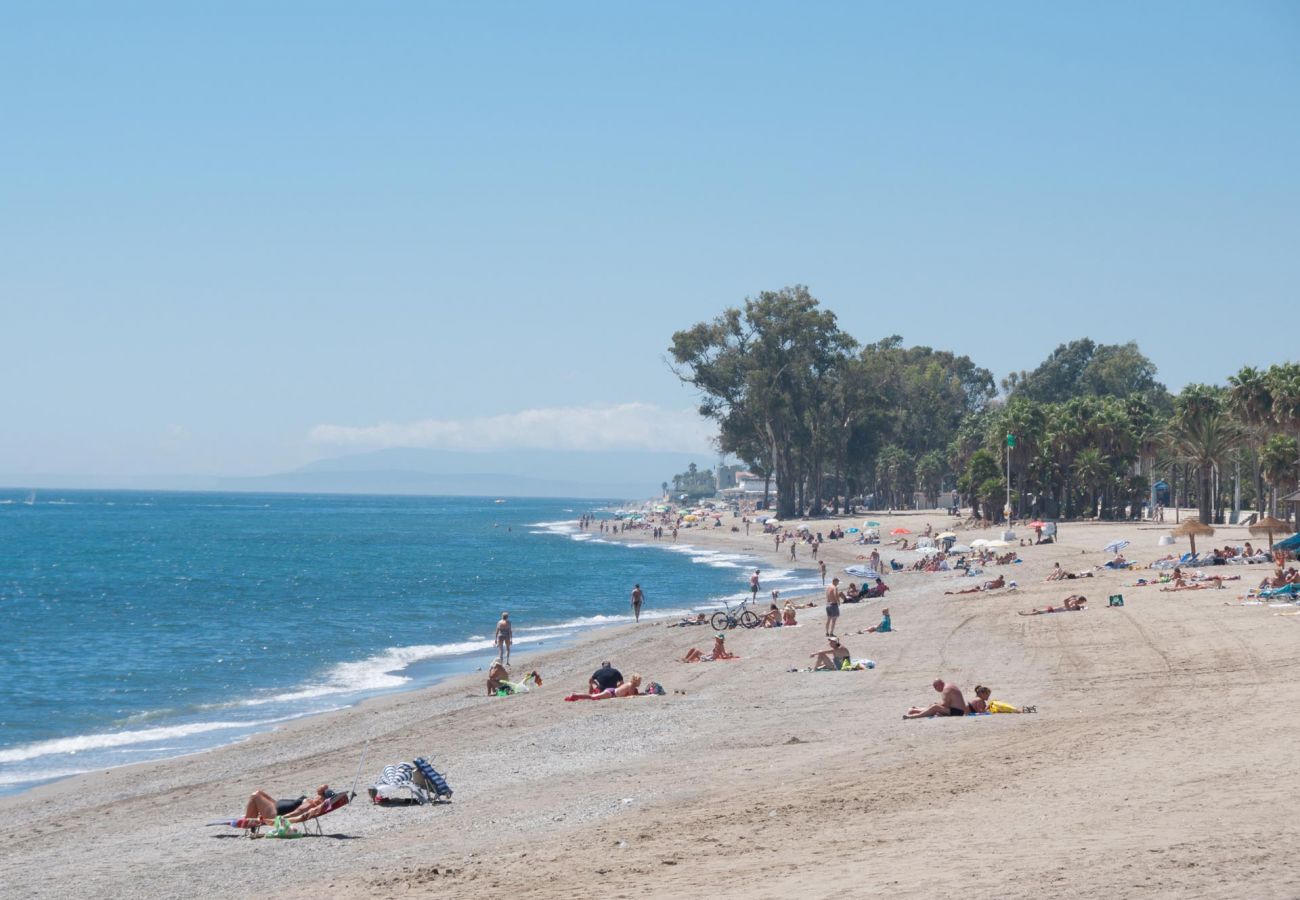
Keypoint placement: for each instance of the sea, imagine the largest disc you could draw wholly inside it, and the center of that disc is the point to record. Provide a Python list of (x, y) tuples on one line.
[(137, 626)]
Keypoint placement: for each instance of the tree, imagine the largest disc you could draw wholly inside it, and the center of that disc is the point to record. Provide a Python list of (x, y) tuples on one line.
[(760, 370), (930, 469), (1084, 368), (1203, 435), (695, 482)]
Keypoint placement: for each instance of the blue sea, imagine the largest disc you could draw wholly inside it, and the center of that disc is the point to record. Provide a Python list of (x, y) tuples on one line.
[(138, 626)]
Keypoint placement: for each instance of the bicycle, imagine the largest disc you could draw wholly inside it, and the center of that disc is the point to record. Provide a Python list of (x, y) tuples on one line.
[(734, 616)]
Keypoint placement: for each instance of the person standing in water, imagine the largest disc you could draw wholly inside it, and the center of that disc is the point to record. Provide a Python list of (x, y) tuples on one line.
[(638, 597), (503, 637), (753, 585)]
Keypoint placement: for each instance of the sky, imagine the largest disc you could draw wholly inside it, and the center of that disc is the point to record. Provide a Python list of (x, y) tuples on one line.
[(238, 237)]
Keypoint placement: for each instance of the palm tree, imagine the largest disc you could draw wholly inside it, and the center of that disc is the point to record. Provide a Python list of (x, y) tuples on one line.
[(1092, 469), (1277, 463), (1202, 434), (1251, 401)]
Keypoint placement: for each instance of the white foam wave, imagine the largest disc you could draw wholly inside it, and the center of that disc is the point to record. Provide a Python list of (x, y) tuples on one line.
[(83, 742)]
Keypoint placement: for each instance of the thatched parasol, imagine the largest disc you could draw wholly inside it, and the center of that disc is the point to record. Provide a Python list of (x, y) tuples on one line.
[(1268, 525), (1190, 529)]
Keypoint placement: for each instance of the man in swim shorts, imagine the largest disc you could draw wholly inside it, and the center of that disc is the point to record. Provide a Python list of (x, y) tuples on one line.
[(833, 597), (951, 703)]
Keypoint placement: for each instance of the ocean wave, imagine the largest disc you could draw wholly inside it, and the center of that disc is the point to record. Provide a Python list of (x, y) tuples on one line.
[(83, 742)]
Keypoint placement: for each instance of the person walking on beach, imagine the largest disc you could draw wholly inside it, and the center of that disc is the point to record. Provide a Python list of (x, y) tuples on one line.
[(833, 597), (503, 637), (793, 544), (753, 585), (822, 566), (638, 597)]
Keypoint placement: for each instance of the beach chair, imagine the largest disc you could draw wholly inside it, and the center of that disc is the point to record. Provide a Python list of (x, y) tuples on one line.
[(434, 783), (279, 828)]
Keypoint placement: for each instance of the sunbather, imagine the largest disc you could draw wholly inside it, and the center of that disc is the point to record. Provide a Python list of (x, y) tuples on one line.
[(788, 615), (884, 626), (719, 651), (832, 658), (629, 688), (689, 620), (772, 618), (1072, 603), (999, 582), (497, 673), (984, 703), (951, 703), (262, 805), (1181, 585)]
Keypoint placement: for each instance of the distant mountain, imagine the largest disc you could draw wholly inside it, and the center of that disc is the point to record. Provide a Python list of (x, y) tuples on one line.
[(517, 473), (614, 474)]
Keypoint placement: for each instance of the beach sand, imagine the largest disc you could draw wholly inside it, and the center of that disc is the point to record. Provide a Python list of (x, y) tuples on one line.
[(1158, 763)]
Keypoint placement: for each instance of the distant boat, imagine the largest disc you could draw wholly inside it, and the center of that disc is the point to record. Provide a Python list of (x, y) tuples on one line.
[(498, 501), (31, 499)]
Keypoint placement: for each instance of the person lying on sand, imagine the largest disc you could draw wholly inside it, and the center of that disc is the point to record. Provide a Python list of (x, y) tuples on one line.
[(951, 703), (687, 620), (262, 805), (630, 689), (885, 624), (1209, 583), (1072, 603), (983, 703), (832, 658), (497, 673), (719, 651), (999, 582)]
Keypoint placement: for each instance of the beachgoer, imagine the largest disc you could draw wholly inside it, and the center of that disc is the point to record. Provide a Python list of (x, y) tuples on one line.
[(687, 620), (497, 673), (876, 590), (999, 582), (753, 585), (984, 702), (638, 597), (832, 658), (1072, 603), (788, 615), (719, 651), (503, 638), (951, 703), (772, 618), (606, 678), (262, 805), (822, 568), (884, 626), (833, 597)]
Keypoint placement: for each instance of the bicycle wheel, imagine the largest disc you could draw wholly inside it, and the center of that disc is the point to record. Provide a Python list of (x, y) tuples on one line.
[(749, 619), (721, 621)]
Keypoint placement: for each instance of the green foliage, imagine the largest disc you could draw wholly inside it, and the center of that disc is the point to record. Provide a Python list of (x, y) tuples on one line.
[(1083, 368), (695, 482)]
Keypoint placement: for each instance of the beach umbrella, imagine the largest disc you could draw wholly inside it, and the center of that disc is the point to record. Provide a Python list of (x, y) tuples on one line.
[(901, 531), (996, 545), (871, 524), (960, 548), (946, 535), (1268, 525), (1192, 529), (1037, 523), (929, 551), (980, 542), (851, 531), (1115, 546)]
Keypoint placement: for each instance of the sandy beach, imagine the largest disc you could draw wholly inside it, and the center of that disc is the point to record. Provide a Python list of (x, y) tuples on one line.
[(1158, 762)]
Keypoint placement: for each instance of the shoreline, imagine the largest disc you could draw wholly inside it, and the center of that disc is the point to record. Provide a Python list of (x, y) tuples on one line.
[(466, 664), (638, 797)]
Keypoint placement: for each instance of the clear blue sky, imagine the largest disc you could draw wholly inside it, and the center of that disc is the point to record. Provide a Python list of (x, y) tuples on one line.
[(224, 227)]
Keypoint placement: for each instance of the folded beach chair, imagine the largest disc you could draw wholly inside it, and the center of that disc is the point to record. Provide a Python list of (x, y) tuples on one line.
[(434, 783), (413, 782)]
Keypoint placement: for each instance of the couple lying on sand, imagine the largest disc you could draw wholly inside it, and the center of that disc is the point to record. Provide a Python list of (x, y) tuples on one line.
[(606, 683), (952, 703), (1059, 574)]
